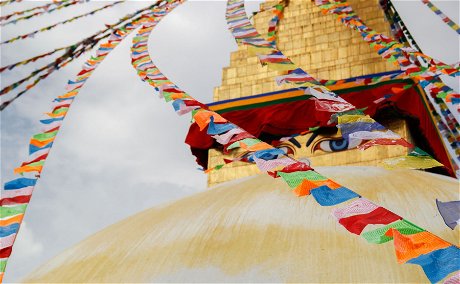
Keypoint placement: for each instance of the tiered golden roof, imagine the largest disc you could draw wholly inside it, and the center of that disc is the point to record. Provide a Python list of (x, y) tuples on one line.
[(318, 43)]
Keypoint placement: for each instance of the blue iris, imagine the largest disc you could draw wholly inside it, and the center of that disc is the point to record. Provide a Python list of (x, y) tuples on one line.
[(338, 145)]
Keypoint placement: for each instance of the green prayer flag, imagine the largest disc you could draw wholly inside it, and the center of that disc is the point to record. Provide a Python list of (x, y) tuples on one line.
[(193, 112), (12, 210), (45, 136), (295, 178), (441, 95), (39, 163), (418, 152), (2, 265), (61, 110), (407, 86), (378, 236)]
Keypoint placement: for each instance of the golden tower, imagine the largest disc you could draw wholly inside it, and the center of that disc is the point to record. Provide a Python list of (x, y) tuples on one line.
[(326, 49), (318, 43)]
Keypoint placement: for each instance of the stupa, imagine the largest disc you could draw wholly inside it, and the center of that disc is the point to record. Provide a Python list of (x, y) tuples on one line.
[(249, 227)]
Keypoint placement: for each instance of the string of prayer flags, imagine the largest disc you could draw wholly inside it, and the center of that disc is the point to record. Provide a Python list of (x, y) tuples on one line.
[(57, 7), (446, 122), (49, 69), (295, 174), (16, 194), (72, 52), (44, 7), (13, 202), (450, 212), (33, 59), (441, 93), (440, 14), (32, 34), (273, 24), (397, 26)]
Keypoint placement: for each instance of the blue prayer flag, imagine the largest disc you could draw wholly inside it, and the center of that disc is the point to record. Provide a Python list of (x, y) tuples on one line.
[(329, 197), (9, 230), (219, 128), (439, 263), (20, 183)]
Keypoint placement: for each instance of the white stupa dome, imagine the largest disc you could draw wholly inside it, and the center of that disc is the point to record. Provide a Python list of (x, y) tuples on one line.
[(256, 230)]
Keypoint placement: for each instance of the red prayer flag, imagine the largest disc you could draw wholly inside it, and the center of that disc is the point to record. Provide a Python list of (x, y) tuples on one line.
[(356, 224)]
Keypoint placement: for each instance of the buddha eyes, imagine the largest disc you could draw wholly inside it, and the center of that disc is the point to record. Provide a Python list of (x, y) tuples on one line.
[(336, 145), (326, 144)]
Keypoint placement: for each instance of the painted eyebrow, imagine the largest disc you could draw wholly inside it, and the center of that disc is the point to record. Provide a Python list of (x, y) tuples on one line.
[(312, 137)]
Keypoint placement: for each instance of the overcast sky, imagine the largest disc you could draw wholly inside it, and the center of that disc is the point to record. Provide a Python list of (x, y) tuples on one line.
[(121, 149)]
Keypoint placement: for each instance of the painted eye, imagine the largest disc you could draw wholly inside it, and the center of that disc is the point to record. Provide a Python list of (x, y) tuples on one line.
[(337, 145), (287, 150)]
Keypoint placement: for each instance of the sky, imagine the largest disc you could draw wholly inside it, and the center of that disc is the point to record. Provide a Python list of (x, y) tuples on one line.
[(121, 149)]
